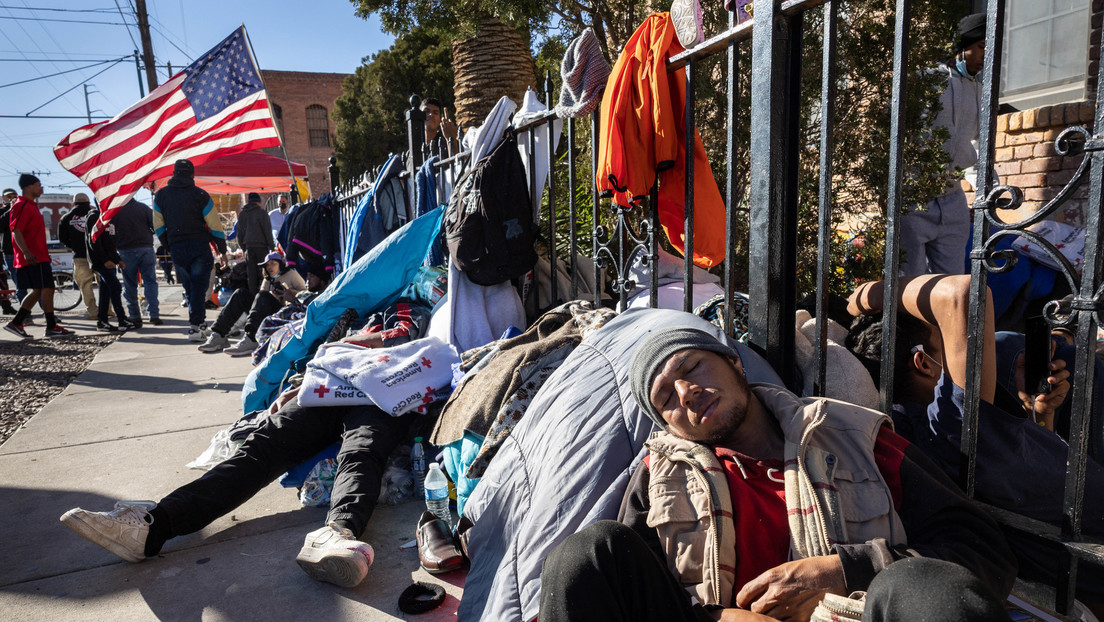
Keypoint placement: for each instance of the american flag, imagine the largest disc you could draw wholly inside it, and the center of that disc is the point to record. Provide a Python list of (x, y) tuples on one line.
[(215, 107)]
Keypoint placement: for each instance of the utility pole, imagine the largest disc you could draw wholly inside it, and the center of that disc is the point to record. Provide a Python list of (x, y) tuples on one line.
[(138, 68), (86, 106), (147, 44)]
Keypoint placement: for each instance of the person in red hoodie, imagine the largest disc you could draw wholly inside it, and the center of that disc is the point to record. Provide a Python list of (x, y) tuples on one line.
[(32, 260)]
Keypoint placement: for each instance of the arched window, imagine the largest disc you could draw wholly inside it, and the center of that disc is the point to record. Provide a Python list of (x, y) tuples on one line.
[(318, 126)]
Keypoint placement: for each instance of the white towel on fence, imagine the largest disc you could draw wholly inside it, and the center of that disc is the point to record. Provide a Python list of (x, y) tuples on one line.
[(398, 379)]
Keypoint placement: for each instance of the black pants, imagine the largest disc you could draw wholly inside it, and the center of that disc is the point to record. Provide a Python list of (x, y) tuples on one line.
[(606, 572), (264, 305), (111, 294), (284, 440), (254, 271), (239, 303)]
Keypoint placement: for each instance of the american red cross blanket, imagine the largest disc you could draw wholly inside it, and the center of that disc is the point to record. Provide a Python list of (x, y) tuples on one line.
[(398, 379)]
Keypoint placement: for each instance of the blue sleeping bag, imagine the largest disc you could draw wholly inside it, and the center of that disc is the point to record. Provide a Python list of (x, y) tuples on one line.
[(370, 284)]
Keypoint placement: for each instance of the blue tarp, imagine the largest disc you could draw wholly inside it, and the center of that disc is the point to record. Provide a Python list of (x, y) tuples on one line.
[(370, 284)]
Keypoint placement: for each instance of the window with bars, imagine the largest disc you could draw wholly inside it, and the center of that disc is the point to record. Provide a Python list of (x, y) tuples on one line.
[(318, 126)]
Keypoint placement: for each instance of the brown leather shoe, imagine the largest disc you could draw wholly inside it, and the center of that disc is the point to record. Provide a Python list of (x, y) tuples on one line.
[(437, 550)]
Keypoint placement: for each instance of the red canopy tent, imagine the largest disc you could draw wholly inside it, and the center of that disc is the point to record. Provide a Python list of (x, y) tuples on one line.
[(252, 171)]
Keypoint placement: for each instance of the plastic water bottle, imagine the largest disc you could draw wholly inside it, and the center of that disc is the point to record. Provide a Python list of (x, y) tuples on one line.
[(418, 465), (437, 495)]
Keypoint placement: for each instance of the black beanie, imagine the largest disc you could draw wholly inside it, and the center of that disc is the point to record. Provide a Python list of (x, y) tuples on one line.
[(26, 179), (971, 29), (654, 352), (184, 168)]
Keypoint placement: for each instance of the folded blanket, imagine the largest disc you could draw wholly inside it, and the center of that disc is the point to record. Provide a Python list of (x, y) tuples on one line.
[(398, 379)]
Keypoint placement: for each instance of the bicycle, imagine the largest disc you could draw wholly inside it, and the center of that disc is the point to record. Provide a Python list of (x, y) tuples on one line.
[(67, 295)]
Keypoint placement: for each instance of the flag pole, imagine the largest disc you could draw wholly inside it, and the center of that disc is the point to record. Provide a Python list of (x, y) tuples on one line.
[(279, 130)]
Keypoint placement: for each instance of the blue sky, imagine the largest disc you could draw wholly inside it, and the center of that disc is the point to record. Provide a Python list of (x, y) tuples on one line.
[(284, 37)]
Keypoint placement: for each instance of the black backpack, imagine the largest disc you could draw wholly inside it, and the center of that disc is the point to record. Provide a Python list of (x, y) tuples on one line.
[(489, 225)]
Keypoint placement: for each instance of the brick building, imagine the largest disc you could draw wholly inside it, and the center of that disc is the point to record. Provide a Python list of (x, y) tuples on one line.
[(302, 103), (1049, 73)]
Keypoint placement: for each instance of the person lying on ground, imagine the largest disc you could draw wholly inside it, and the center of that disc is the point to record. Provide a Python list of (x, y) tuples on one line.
[(1021, 466), (334, 553), (754, 503), (280, 286)]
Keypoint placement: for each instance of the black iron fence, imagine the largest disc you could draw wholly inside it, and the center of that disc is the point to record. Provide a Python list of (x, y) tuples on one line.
[(775, 39)]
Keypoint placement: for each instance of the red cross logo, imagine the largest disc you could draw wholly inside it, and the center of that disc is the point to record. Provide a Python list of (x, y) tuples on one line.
[(321, 391), (426, 363), (428, 395), (383, 358)]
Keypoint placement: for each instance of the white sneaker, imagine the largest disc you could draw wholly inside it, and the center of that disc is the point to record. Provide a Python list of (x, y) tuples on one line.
[(215, 343), (123, 531), (244, 347), (333, 555), (197, 333)]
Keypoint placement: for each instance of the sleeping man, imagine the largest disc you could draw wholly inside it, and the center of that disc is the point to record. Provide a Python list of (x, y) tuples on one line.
[(753, 503)]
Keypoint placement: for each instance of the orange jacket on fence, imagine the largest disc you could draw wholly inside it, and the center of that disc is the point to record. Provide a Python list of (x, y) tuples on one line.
[(643, 133)]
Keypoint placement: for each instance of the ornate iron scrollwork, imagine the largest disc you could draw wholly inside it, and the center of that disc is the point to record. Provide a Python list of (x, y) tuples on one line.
[(1072, 141), (612, 248)]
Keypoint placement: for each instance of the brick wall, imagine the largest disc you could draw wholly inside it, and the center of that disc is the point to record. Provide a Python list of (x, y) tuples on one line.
[(1026, 158), (293, 92)]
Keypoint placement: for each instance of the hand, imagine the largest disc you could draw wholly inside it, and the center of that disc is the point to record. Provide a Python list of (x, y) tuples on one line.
[(122, 265), (110, 265), (448, 126), (1044, 405), (739, 615), (366, 340), (30, 257), (792, 590), (282, 399)]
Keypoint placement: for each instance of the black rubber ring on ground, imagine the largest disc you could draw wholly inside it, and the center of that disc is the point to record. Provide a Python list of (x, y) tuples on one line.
[(421, 597)]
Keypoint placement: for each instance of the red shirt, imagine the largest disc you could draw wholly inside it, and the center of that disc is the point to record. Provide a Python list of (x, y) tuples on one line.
[(25, 217), (759, 503), (759, 514)]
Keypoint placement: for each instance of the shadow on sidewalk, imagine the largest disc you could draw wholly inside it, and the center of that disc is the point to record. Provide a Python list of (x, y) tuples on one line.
[(106, 380)]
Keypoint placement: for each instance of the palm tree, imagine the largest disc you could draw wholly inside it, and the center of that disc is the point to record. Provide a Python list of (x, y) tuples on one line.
[(493, 63)]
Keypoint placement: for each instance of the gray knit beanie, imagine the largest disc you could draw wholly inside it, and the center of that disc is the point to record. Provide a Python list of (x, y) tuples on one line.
[(654, 352), (584, 72)]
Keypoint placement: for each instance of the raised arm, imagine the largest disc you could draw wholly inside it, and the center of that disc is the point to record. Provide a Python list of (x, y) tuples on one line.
[(943, 301)]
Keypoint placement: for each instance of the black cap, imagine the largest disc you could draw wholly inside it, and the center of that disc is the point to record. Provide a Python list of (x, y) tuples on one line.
[(184, 168), (26, 179), (253, 197), (971, 29)]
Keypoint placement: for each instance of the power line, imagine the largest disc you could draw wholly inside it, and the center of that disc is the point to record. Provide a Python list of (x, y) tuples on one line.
[(117, 60), (56, 60), (66, 21), (28, 116), (129, 33), (78, 84), (170, 42), (32, 8)]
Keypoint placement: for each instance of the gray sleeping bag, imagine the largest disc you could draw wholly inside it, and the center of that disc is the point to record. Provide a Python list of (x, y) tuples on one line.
[(565, 465)]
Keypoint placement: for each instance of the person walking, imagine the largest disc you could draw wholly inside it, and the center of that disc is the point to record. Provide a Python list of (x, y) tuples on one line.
[(8, 197), (71, 232), (32, 260), (104, 257), (277, 216), (185, 219), (134, 240), (255, 238)]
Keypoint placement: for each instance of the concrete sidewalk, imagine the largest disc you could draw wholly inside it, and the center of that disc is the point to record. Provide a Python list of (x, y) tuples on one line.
[(124, 429)]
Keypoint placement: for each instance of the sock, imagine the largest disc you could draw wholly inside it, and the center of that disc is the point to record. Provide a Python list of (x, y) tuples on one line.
[(21, 315), (51, 320), (345, 524), (159, 533)]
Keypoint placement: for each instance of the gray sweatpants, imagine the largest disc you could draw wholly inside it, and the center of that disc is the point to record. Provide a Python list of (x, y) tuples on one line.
[(934, 241)]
